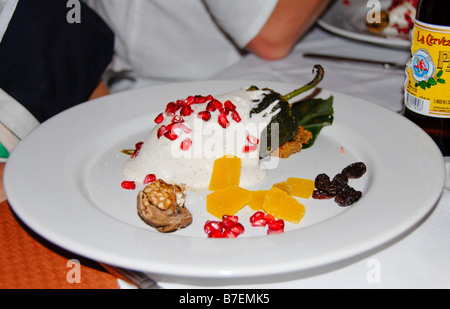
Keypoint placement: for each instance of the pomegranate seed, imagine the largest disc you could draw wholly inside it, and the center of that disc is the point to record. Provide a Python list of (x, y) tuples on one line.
[(252, 140), (257, 219), (235, 116), (271, 231), (177, 118), (204, 115), (159, 118), (161, 131), (128, 185), (216, 104), (234, 219), (171, 135), (208, 227), (217, 225), (276, 225), (232, 227), (186, 144), (230, 106), (171, 108), (179, 125), (223, 121), (135, 154), (139, 145), (209, 97), (229, 233), (186, 111), (189, 100), (237, 229), (224, 111), (149, 178), (249, 148), (229, 221), (269, 218), (216, 234), (210, 107), (229, 227), (213, 226), (198, 99), (172, 126)]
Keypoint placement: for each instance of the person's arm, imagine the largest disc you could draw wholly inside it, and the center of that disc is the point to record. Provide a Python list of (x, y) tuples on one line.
[(289, 21)]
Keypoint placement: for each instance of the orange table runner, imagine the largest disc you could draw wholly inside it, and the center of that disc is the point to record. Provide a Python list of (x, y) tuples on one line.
[(27, 261)]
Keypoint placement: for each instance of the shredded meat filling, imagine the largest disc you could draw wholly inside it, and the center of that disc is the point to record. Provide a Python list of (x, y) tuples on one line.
[(295, 145)]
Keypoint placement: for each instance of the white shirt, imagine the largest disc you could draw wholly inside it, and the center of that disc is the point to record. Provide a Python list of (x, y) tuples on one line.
[(180, 40)]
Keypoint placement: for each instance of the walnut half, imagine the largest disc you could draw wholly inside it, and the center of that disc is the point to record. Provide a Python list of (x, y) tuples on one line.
[(161, 205)]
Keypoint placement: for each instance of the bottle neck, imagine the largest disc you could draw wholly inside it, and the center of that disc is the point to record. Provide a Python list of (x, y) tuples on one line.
[(433, 12)]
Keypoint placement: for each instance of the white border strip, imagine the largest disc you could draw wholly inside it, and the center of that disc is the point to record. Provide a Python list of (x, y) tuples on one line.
[(15, 117)]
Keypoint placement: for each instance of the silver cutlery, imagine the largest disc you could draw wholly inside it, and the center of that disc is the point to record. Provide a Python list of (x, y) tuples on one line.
[(137, 278), (385, 64)]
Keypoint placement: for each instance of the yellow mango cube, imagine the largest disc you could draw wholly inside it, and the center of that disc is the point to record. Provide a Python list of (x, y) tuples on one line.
[(257, 201), (284, 185), (227, 201), (301, 187), (283, 206), (226, 173)]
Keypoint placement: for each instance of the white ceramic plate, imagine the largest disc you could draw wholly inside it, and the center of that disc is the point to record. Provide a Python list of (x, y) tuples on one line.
[(63, 180), (348, 20)]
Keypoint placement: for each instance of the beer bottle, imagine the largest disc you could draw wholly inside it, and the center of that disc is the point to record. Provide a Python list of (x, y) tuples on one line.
[(427, 88)]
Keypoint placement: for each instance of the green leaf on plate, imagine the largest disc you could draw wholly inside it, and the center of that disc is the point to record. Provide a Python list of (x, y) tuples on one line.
[(313, 115)]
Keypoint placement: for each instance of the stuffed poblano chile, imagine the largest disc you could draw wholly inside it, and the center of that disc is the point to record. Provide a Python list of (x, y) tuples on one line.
[(237, 123), (290, 117)]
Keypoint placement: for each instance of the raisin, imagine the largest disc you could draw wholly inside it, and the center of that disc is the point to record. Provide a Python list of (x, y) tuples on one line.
[(320, 178), (340, 180), (347, 197), (355, 170), (325, 185), (322, 195), (338, 188), (328, 187)]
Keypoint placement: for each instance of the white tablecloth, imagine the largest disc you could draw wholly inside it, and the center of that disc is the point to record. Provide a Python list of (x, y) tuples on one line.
[(421, 259)]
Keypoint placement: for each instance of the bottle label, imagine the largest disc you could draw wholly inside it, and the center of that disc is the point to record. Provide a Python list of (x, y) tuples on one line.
[(427, 88)]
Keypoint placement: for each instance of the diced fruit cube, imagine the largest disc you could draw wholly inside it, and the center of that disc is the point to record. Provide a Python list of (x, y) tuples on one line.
[(227, 201), (257, 201), (226, 173), (283, 206), (283, 186), (302, 188)]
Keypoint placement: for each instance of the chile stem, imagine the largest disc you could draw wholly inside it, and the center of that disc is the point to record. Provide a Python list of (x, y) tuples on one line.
[(317, 79)]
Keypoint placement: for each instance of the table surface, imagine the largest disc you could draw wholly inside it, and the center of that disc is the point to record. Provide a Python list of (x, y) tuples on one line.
[(417, 260)]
